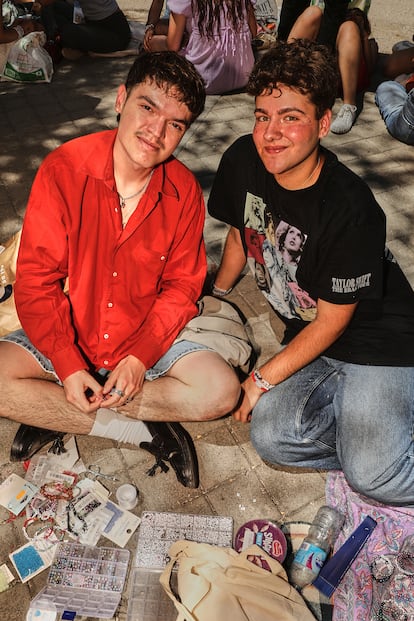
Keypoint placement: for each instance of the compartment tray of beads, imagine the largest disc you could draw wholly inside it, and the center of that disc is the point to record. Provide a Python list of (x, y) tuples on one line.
[(87, 580)]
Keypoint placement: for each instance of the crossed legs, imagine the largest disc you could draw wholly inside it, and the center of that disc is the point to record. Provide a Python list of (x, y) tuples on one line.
[(199, 386)]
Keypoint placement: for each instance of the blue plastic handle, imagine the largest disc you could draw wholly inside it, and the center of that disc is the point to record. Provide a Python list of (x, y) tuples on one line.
[(334, 570)]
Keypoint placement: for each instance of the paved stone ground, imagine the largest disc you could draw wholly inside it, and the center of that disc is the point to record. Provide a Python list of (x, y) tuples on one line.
[(37, 118)]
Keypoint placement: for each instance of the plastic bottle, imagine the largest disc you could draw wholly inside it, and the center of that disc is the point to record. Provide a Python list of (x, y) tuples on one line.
[(315, 547)]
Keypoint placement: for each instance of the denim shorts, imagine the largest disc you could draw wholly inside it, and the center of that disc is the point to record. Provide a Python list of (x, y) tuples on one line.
[(177, 350)]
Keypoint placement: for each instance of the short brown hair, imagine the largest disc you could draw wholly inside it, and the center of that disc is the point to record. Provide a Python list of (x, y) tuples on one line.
[(304, 66), (169, 69)]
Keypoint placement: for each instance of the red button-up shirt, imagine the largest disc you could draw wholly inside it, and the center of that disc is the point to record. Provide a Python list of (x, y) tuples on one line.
[(130, 290)]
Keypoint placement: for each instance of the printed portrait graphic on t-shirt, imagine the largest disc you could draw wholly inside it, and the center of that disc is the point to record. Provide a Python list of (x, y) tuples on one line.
[(274, 249)]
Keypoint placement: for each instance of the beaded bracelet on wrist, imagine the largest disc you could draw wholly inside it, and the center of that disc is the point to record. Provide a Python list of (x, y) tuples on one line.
[(260, 382)]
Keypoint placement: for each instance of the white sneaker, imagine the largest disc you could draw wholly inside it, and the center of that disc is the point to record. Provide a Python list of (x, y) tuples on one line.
[(344, 119)]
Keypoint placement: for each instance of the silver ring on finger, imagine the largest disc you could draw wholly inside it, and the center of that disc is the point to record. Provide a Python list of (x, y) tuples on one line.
[(119, 392)]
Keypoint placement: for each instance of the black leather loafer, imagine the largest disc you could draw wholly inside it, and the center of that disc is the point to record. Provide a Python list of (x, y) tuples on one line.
[(173, 444), (28, 440)]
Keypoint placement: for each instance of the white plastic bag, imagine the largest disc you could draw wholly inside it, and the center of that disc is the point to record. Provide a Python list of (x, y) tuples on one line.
[(28, 61)]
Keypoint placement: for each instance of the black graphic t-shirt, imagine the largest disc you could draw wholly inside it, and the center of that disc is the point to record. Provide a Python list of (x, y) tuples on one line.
[(324, 242)]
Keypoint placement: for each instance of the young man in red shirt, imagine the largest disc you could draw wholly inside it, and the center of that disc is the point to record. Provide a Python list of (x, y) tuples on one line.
[(119, 220)]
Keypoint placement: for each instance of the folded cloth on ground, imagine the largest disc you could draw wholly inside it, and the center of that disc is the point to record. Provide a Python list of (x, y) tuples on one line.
[(220, 327), (214, 582), (357, 596)]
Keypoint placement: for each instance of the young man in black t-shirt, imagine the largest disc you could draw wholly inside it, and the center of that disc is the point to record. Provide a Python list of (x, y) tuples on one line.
[(340, 394)]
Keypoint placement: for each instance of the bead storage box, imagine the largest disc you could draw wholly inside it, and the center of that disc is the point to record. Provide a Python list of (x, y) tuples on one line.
[(147, 599), (86, 580)]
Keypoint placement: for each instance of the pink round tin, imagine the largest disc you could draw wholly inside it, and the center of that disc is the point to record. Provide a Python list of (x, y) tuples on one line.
[(266, 535)]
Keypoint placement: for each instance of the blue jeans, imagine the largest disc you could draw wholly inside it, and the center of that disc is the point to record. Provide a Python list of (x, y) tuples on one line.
[(177, 350), (335, 415), (397, 110)]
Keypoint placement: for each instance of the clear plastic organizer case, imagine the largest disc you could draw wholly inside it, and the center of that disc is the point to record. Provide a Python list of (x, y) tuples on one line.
[(147, 599), (87, 580)]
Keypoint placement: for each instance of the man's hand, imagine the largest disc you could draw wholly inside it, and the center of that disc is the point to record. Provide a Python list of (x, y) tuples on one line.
[(125, 381), (83, 391), (330, 322), (250, 396)]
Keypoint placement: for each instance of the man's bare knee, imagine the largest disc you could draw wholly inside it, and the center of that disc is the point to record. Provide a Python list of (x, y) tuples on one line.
[(221, 391), (17, 363), (213, 386)]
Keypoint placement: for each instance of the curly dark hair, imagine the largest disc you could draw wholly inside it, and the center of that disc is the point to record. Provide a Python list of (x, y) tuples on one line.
[(170, 70), (304, 66)]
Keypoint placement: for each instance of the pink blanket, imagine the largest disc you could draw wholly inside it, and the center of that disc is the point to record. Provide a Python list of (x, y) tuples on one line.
[(357, 596)]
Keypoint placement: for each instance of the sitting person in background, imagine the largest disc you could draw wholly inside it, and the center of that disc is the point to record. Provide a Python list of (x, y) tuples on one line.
[(400, 61), (12, 26), (219, 40), (395, 97), (356, 51), (334, 14), (87, 26), (155, 23)]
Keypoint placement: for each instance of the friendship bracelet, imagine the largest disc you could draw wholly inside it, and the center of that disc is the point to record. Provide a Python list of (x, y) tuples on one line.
[(70, 525), (260, 382), (39, 531), (43, 508), (405, 561), (19, 30), (56, 491), (409, 85), (46, 537)]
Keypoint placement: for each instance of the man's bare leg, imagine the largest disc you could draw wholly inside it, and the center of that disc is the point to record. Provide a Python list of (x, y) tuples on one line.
[(31, 396), (349, 48), (307, 24), (199, 386), (349, 57)]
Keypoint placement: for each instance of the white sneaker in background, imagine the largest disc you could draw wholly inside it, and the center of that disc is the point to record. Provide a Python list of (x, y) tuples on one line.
[(344, 119)]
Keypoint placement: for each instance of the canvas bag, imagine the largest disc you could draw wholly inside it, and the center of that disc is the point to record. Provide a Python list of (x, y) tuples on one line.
[(219, 326), (220, 584), (9, 320)]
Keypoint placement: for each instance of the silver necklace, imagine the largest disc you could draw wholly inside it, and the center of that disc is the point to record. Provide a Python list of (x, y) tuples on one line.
[(303, 184), (124, 199), (313, 171)]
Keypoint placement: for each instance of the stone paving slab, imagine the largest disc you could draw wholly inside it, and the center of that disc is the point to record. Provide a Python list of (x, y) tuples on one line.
[(34, 119)]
